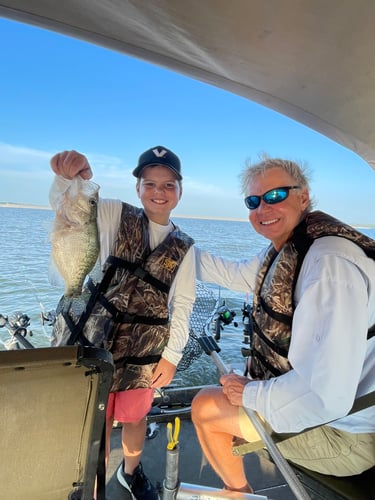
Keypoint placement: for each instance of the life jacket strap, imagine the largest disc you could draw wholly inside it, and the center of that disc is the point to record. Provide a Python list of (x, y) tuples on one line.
[(138, 271), (135, 360), (257, 355), (96, 291), (371, 332), (281, 351), (282, 318), (123, 317)]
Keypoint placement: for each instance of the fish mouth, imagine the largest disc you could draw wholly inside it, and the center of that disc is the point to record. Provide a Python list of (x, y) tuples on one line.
[(269, 222)]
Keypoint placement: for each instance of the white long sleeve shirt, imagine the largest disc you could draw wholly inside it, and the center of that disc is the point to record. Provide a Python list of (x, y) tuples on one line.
[(182, 293), (332, 361)]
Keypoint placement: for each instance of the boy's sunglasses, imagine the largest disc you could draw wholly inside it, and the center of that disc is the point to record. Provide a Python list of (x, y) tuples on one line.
[(271, 197)]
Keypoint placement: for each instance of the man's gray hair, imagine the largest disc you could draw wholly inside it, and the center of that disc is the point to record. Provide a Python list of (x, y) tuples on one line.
[(298, 171)]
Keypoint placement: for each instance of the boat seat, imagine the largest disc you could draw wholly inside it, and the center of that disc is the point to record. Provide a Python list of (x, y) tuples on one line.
[(52, 414), (320, 486)]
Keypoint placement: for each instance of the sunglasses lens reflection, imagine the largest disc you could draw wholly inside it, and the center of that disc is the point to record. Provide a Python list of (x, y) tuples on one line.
[(275, 196), (270, 197)]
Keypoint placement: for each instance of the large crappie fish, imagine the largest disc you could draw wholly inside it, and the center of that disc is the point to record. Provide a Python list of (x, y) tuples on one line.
[(74, 236)]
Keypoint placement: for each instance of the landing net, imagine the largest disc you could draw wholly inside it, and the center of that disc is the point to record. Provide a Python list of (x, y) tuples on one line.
[(204, 309)]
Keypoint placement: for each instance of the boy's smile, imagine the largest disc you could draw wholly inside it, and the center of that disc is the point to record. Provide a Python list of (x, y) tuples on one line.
[(159, 192)]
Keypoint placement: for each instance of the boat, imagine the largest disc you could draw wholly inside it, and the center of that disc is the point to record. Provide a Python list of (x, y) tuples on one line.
[(172, 403), (310, 60)]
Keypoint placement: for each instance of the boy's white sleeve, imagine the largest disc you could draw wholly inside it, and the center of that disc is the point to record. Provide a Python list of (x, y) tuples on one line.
[(181, 300)]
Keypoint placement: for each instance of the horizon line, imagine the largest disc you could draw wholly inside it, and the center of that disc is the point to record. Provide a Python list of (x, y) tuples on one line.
[(9, 204)]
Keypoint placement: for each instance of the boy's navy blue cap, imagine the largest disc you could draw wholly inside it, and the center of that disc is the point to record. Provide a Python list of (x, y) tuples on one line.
[(159, 155)]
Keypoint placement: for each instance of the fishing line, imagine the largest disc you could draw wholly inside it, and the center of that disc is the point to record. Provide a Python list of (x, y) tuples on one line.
[(44, 313)]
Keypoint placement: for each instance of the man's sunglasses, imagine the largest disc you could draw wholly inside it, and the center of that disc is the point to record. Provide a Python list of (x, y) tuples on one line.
[(271, 197)]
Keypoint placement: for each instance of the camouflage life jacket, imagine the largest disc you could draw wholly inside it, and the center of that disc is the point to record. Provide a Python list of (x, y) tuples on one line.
[(273, 305), (139, 293), (127, 311)]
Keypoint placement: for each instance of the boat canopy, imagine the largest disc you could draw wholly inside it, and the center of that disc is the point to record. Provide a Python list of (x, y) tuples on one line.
[(311, 60)]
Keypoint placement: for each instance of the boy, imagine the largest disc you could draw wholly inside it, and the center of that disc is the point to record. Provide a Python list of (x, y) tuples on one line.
[(152, 293)]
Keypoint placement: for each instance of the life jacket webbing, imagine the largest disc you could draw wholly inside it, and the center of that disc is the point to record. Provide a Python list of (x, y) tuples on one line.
[(96, 291), (371, 332), (123, 317), (256, 354), (138, 271), (279, 350), (283, 318), (135, 360), (363, 402), (97, 294)]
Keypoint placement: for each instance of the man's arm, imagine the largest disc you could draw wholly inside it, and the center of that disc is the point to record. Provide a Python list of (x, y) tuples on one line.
[(239, 275)]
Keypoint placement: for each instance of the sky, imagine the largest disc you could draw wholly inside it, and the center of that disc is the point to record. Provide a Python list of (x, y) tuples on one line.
[(59, 93)]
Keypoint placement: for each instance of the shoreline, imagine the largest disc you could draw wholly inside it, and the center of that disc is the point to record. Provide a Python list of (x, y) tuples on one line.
[(21, 205), (175, 216)]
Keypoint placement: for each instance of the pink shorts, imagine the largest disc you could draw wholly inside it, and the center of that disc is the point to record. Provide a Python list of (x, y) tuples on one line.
[(129, 406)]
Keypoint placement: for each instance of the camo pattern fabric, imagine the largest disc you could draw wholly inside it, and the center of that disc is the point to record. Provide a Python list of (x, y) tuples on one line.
[(98, 329), (275, 289), (274, 283), (318, 223), (132, 295)]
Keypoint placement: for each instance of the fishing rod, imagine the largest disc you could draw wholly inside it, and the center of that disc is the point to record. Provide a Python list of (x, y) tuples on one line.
[(211, 348), (17, 328), (45, 316), (223, 316), (175, 400), (173, 489)]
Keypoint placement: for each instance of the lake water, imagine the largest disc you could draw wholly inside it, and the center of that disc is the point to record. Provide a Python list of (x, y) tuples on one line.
[(24, 285)]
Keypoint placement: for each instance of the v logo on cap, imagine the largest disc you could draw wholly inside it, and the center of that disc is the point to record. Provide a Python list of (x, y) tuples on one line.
[(159, 153)]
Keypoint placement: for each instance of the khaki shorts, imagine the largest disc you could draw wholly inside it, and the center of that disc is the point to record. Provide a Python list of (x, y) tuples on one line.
[(324, 449)]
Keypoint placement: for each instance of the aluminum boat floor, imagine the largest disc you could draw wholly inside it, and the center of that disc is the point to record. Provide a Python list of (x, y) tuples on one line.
[(263, 475), (193, 468)]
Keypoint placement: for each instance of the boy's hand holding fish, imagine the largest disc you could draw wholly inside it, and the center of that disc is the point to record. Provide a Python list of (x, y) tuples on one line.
[(69, 164)]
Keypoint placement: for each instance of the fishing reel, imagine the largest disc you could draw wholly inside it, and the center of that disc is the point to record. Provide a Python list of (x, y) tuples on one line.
[(223, 316), (17, 328), (48, 317), (17, 323)]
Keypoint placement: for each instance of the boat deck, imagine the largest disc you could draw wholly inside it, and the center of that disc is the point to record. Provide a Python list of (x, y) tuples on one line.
[(262, 473), (193, 468)]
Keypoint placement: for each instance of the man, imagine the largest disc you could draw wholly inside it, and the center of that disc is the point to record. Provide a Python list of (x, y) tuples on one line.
[(313, 350)]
